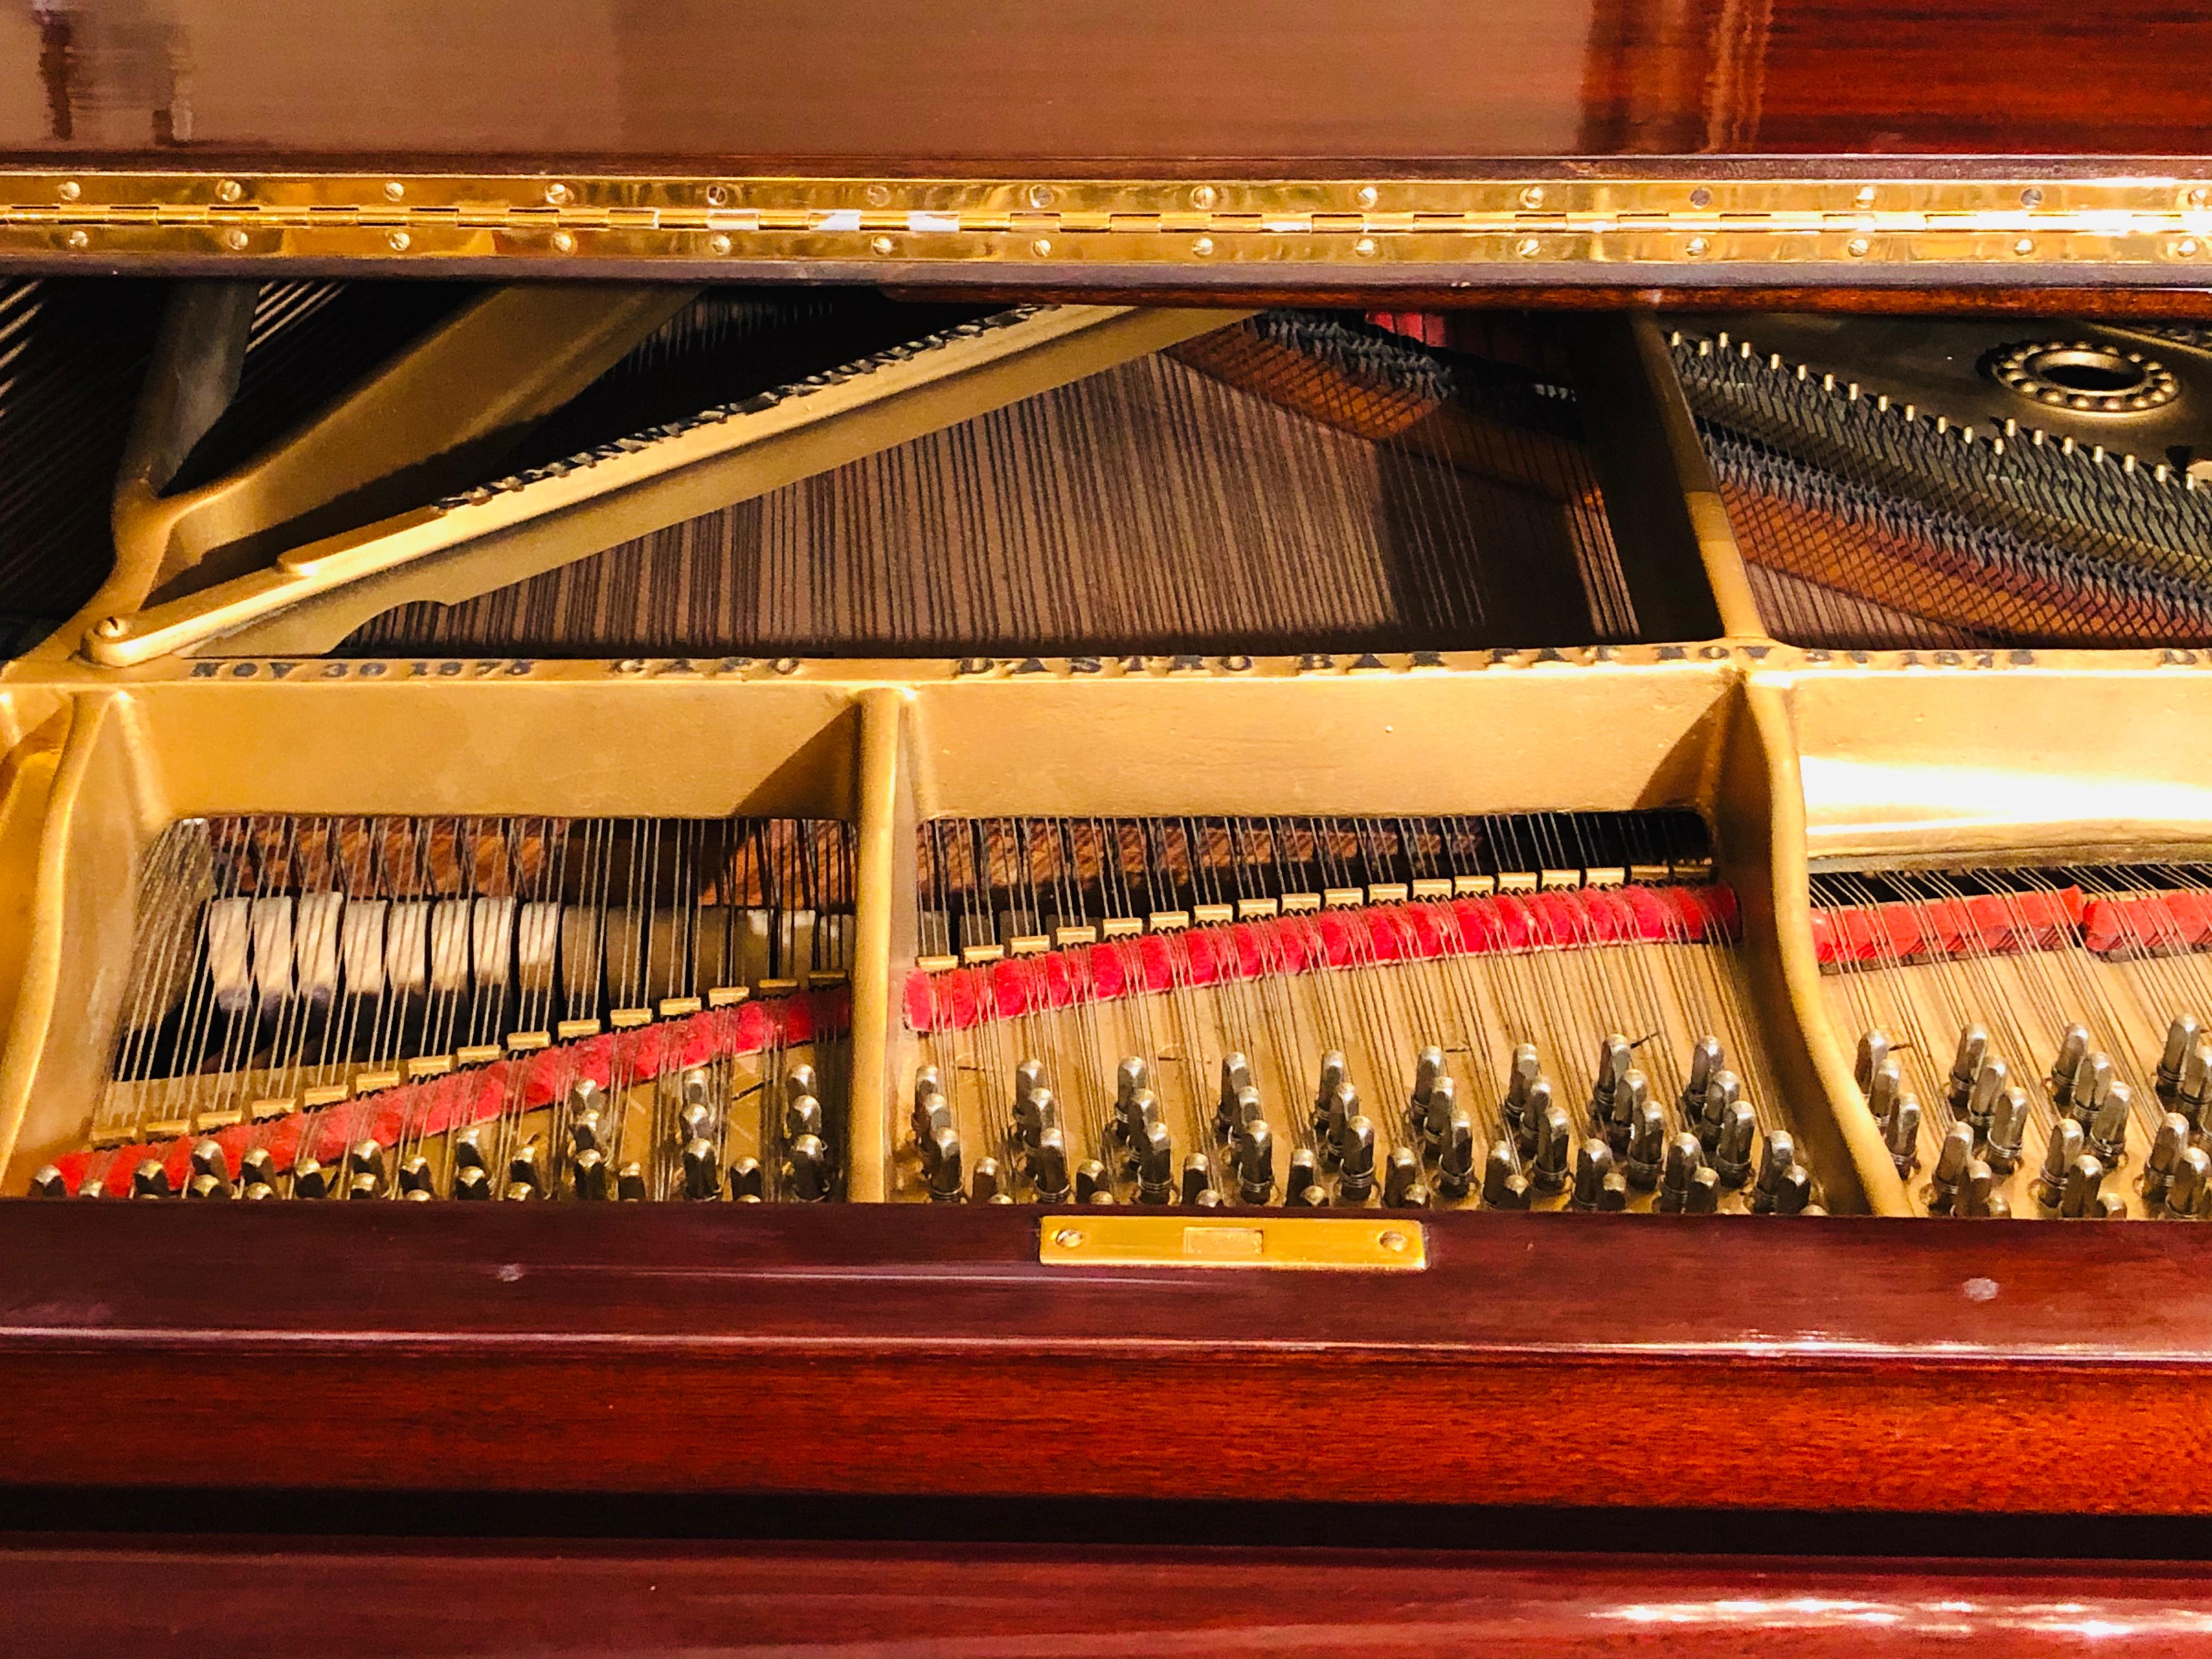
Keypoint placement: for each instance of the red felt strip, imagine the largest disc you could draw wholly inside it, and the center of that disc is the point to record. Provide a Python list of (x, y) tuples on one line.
[(1849, 936)]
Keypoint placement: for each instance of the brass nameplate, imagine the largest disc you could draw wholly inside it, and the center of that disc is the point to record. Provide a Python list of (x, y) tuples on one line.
[(1381, 1243)]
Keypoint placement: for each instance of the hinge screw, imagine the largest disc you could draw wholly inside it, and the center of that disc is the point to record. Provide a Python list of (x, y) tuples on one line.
[(1532, 196), (1857, 246), (1528, 247), (229, 190), (397, 241), (2025, 245), (1701, 198), (1365, 247), (564, 242), (1697, 247), (1205, 197), (2199, 196), (718, 244), (1367, 196), (393, 190), (69, 191), (79, 238), (111, 627), (2031, 197), (717, 195), (1041, 247), (1040, 196), (1068, 1238), (2186, 248), (557, 193), (1203, 247), (883, 244), (877, 195), (1866, 196), (234, 240)]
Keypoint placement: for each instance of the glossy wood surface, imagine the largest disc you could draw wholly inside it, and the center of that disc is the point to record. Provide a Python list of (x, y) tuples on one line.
[(245, 1598), (1240, 87), (1584, 1361)]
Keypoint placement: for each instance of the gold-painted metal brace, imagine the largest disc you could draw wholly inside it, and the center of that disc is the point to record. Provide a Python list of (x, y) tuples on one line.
[(1386, 1242), (907, 227)]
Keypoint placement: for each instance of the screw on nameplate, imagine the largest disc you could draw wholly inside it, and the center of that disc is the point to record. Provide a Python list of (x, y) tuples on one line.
[(1324, 1243)]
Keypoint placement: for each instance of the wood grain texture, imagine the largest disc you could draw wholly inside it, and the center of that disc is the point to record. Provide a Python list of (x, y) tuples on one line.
[(1585, 1361), (1243, 87), (245, 1597)]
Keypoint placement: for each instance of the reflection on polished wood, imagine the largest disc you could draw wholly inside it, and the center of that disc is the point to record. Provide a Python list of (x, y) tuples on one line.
[(1251, 88)]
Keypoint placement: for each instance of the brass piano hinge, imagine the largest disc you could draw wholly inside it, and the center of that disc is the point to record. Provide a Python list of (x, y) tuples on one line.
[(1382, 1242), (1390, 225)]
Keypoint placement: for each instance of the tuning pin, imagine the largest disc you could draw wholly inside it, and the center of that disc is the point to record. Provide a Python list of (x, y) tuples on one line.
[(1208, 1200), (1235, 1079), (802, 1118), (1706, 1059), (1312, 1196), (1647, 1145), (748, 1182), (1793, 1193), (310, 1179), (1631, 1102), (2078, 1199), (1526, 1072), (1198, 1176), (1130, 1078), (1422, 1112), (1775, 1157), (1704, 1195), (416, 1175), (1976, 1187), (695, 1086), (695, 1122), (2195, 1094), (523, 1168), (702, 1170), (46, 1182), (1954, 1152), (1874, 1049), (930, 1115), (208, 1159), (257, 1166), (629, 1183), (2165, 1150), (364, 1185), (2073, 1049), (2108, 1129), (585, 1096), (517, 1192), (1034, 1107), (469, 1152), (587, 1131), (927, 1082), (2059, 1155), (1722, 1096), (2180, 1038), (806, 1170), (470, 1181), (1732, 1148), (1435, 1125), (2093, 1081), (1614, 1060), (1140, 1111), (1455, 1160), (587, 1172), (206, 1186), (1902, 1131), (2008, 1130), (1156, 1166), (1967, 1065), (1029, 1077), (1335, 1127), (1887, 1088), (1402, 1173), (1090, 1179), (1356, 1172), (1686, 1156), (1982, 1099), (800, 1080), (1504, 1186), (946, 1177), (1255, 1152), (366, 1157), (2108, 1207), (1048, 1166), (1554, 1139), (1593, 1164), (258, 1191), (984, 1185), (2186, 1195)]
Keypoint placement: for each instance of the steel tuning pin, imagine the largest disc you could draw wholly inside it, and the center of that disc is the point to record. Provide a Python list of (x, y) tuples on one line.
[(1593, 1164), (629, 1183), (1336, 1124), (1982, 1099), (1684, 1157), (205, 1187), (416, 1175), (1356, 1173), (1090, 1178), (1254, 1155), (1304, 1172), (1555, 1136), (695, 1121), (1874, 1049), (1951, 1157), (588, 1176), (257, 1167), (1706, 1059), (983, 1184), (1978, 1187), (586, 1099), (1197, 1177), (1455, 1160), (1732, 1149), (1504, 1186), (1775, 1158), (1208, 1200), (525, 1166), (1647, 1147), (702, 1170), (468, 1151), (748, 1182), (1967, 1065), (1229, 1111), (1443, 1106), (209, 1159), (587, 1131), (470, 1182), (802, 1118), (1421, 1112), (2084, 1179), (943, 1164), (2093, 1081), (2180, 1038), (2165, 1150), (2059, 1152), (2191, 1187), (1333, 1087), (151, 1180), (2073, 1049), (47, 1181), (1035, 1109), (1793, 1193), (1902, 1132), (800, 1080), (2195, 1094), (1155, 1165), (1886, 1089), (1704, 1197), (806, 1170), (1048, 1166), (1140, 1111), (310, 1179), (1526, 1072), (2108, 1129), (2109, 1206), (1614, 1060), (1722, 1096), (1130, 1078), (931, 1114), (1539, 1108), (2008, 1132), (1629, 1101), (1401, 1176)]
